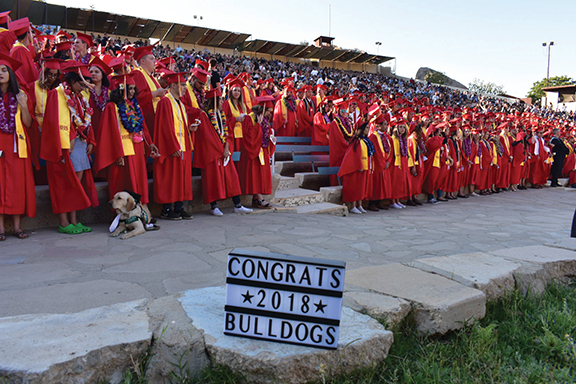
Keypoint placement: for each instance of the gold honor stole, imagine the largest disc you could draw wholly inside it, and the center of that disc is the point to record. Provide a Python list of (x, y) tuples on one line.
[(284, 110), (364, 155), (237, 125), (247, 97), (125, 137), (192, 95), (506, 141), (151, 85), (41, 96), (397, 155), (180, 123), (416, 160), (21, 135), (494, 154), (261, 154), (64, 122)]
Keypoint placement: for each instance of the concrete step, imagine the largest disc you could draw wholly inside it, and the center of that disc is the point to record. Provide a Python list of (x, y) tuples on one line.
[(289, 168), (332, 194), (324, 208), (287, 182), (312, 180), (298, 196)]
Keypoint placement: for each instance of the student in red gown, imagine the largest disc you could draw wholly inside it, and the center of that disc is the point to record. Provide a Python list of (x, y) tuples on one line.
[(285, 122), (321, 123), (99, 93), (28, 71), (67, 142), (356, 170), (435, 157), (173, 166), (17, 192), (235, 110), (219, 177), (486, 155), (306, 113), (258, 146), (381, 187), (417, 150), (124, 136), (400, 165)]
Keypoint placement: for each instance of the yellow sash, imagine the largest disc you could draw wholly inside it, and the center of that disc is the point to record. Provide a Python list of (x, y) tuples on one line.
[(19, 44), (436, 162), (151, 85), (41, 95), (414, 161), (180, 123), (63, 119), (192, 95), (397, 156), (21, 135), (506, 141), (494, 154), (364, 155), (284, 110), (127, 144), (237, 124)]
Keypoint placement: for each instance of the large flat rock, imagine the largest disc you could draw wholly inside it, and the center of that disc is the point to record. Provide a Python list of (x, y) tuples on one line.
[(391, 310), (566, 243), (363, 342), (557, 262), (441, 304), (80, 347), (491, 274)]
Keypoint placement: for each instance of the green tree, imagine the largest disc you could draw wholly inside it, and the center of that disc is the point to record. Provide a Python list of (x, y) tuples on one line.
[(436, 77), (536, 92), (487, 88)]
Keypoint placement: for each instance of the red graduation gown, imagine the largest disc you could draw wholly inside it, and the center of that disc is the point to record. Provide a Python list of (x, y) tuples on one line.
[(28, 71), (284, 126), (381, 187), (355, 178), (254, 176), (145, 99), (132, 176), (67, 193), (219, 181), (305, 118), (17, 191), (432, 174), (172, 175), (320, 130)]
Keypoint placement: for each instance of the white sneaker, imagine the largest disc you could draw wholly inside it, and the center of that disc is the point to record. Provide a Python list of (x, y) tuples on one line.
[(401, 205), (361, 209), (242, 209), (474, 194), (216, 212), (395, 206), (356, 211)]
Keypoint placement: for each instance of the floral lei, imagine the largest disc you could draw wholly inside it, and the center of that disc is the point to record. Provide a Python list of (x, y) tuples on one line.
[(222, 132), (369, 145), (265, 132), (290, 102), (499, 147), (403, 146), (199, 97), (83, 125), (344, 125), (7, 116), (421, 145), (384, 140), (467, 147), (131, 115), (101, 100), (85, 59)]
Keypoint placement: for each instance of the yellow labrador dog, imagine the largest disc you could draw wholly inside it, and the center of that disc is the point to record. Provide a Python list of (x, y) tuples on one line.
[(133, 216)]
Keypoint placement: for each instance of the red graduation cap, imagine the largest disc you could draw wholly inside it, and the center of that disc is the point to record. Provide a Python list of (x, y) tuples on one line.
[(75, 66), (236, 83), (202, 63), (172, 78), (126, 79), (201, 75), (63, 46), (116, 62), (20, 26), (85, 38), (97, 62), (62, 33), (4, 18), (8, 61), (229, 77), (167, 61), (266, 101), (140, 52), (51, 63), (213, 93)]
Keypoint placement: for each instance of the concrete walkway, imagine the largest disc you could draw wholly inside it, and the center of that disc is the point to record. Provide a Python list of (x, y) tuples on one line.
[(55, 273)]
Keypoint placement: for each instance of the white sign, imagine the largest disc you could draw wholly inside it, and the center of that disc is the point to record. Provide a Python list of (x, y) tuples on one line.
[(284, 298)]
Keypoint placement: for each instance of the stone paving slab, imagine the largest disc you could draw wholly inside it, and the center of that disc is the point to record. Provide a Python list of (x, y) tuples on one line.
[(491, 274), (557, 262), (362, 342), (441, 304), (79, 347)]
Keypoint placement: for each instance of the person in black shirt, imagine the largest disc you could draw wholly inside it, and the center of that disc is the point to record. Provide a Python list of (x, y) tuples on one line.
[(214, 75), (560, 151)]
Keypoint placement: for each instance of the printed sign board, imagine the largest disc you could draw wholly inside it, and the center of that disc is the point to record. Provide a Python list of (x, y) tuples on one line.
[(283, 298)]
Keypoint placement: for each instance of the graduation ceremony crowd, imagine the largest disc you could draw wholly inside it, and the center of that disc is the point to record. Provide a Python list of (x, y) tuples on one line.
[(76, 108)]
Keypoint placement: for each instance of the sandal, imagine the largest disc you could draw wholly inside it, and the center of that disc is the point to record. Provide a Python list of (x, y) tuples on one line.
[(83, 228), (2, 237), (21, 235), (70, 229), (263, 204)]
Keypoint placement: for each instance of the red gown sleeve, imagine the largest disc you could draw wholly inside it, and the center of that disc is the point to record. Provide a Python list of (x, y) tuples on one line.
[(50, 147), (352, 160), (109, 136), (208, 147), (252, 140), (165, 138)]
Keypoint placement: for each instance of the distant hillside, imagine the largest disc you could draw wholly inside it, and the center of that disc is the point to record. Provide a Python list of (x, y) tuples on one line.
[(423, 71)]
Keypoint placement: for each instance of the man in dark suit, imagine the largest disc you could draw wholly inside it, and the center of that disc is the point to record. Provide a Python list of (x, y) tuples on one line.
[(560, 151)]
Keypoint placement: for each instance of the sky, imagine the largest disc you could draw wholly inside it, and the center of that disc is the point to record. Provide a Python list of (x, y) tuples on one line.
[(493, 41)]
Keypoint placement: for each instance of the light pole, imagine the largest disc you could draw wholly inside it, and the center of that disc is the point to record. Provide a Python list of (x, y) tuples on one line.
[(378, 44), (548, 69), (196, 17)]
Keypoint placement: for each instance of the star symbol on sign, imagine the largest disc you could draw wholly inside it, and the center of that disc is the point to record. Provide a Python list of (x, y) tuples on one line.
[(247, 297), (320, 306)]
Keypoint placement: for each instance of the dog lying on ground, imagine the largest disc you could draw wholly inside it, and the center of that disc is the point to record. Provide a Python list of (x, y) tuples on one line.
[(133, 216)]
